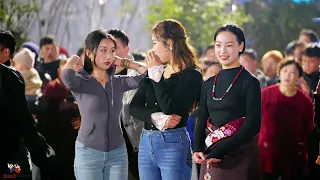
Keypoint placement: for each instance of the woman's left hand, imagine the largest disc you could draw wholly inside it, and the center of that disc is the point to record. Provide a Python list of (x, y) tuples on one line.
[(117, 60), (213, 160), (152, 60)]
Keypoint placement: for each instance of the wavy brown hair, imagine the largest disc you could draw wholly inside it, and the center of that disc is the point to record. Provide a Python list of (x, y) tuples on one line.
[(183, 52)]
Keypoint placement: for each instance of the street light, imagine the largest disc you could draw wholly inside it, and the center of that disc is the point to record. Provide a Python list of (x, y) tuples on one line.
[(233, 7)]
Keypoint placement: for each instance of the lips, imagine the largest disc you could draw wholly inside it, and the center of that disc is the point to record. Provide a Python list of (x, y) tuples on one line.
[(107, 63), (224, 58)]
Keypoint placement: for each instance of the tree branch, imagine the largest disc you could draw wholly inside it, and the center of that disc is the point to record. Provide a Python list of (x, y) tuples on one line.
[(133, 14)]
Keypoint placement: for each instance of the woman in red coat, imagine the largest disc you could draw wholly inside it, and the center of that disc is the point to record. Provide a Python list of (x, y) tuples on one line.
[(287, 120)]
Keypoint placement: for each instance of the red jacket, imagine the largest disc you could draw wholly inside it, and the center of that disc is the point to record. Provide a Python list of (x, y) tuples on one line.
[(286, 123)]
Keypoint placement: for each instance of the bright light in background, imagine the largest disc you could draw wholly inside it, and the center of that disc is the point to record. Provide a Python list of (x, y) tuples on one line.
[(234, 7), (102, 2), (301, 1), (316, 19)]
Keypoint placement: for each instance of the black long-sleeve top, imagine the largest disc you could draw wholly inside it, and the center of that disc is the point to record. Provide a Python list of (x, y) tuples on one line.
[(243, 100), (8, 64), (175, 95), (312, 80)]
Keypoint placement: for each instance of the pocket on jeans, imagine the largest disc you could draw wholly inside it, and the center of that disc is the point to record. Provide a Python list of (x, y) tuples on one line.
[(172, 139)]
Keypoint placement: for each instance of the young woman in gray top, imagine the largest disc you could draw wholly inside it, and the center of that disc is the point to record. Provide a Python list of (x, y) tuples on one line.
[(100, 150)]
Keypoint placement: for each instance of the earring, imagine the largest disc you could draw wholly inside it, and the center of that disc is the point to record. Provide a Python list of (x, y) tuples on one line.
[(170, 48), (240, 50)]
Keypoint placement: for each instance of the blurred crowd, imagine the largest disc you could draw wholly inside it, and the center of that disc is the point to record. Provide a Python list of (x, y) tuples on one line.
[(56, 114)]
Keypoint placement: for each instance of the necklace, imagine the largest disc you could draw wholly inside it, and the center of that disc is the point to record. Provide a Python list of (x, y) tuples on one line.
[(215, 82)]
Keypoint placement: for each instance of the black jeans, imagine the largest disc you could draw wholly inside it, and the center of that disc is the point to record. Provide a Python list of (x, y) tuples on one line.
[(132, 157), (271, 176), (313, 153)]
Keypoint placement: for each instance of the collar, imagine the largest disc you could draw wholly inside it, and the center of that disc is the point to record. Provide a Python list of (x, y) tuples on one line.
[(7, 63), (84, 74)]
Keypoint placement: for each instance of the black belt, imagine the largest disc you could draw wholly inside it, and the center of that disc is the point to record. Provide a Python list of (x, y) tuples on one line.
[(150, 127), (153, 128)]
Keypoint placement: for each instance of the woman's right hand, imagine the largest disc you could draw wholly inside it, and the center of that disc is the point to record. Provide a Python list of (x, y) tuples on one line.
[(199, 158), (74, 62), (172, 121), (152, 60)]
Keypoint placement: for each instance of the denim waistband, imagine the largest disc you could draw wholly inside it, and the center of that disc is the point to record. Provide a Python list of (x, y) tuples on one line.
[(166, 132)]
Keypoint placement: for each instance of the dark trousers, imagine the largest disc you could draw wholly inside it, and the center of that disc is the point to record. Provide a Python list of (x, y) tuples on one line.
[(132, 157), (313, 153), (240, 164), (270, 176)]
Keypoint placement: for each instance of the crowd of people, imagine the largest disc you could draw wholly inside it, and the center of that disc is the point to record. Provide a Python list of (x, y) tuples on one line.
[(107, 113)]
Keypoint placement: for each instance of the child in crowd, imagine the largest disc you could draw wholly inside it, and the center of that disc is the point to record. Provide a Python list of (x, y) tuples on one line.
[(24, 62)]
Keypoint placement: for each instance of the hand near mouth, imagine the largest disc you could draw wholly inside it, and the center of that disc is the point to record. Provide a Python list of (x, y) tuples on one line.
[(152, 60)]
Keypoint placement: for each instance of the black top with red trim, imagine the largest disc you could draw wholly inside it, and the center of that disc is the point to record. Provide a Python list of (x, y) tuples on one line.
[(243, 100)]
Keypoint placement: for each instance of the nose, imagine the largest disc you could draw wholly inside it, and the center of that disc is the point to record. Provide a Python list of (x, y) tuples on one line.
[(286, 75), (153, 49), (109, 56), (223, 49)]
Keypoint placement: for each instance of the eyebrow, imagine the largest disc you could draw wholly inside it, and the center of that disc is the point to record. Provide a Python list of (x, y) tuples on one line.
[(226, 42), (107, 47)]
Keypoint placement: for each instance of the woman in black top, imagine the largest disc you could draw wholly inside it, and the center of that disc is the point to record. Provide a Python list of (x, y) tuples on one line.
[(163, 102), (225, 144)]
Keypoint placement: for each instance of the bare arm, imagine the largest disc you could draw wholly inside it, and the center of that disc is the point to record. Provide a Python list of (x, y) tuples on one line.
[(126, 63), (138, 67)]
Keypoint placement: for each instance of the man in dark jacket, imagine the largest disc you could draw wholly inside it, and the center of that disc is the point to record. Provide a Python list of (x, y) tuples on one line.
[(314, 144), (16, 122), (7, 47)]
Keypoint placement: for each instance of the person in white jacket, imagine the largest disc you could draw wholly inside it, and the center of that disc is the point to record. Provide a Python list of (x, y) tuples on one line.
[(131, 127)]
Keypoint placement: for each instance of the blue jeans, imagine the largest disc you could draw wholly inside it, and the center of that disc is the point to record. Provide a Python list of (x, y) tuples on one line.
[(165, 155), (91, 164)]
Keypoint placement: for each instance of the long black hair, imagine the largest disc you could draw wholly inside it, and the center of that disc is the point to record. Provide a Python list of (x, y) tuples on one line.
[(92, 42)]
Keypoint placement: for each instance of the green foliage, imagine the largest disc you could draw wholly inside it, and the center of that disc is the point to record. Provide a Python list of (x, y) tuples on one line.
[(15, 16), (279, 22), (200, 18)]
